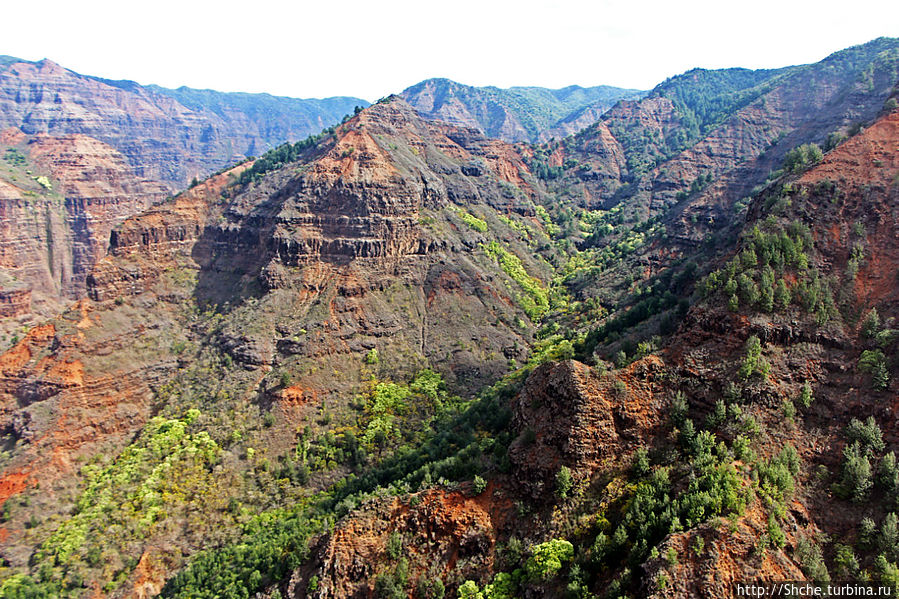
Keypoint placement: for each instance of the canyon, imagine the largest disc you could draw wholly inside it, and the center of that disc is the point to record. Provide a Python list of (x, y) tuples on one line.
[(403, 358)]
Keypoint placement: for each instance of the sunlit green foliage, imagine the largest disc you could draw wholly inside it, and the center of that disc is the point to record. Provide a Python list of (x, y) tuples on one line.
[(755, 277), (534, 299), (166, 466), (753, 363), (272, 544), (471, 220), (548, 559)]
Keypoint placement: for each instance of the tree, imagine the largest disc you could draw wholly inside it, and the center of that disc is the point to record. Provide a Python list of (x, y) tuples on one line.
[(469, 590), (873, 361), (563, 482), (866, 433), (753, 363), (871, 324), (372, 358), (782, 296), (857, 475), (548, 559)]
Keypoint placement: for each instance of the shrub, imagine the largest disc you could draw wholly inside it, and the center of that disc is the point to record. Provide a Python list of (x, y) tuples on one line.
[(469, 590), (372, 357), (430, 588), (285, 378), (845, 562), (548, 559), (640, 462), (395, 546), (753, 362), (801, 157), (888, 473), (867, 528), (866, 433), (805, 398), (472, 221), (789, 410), (871, 324), (479, 485), (679, 409), (776, 536), (889, 535), (564, 482), (810, 558), (873, 362), (888, 572), (502, 587), (834, 139), (857, 476)]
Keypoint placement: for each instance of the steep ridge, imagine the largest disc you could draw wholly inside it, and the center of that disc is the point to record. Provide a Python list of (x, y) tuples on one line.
[(112, 148), (658, 179), (518, 113), (719, 133), (359, 215), (168, 136), (259, 292), (816, 338)]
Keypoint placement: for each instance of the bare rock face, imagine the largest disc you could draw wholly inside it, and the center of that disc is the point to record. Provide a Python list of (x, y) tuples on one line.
[(568, 416), (730, 556), (56, 219), (440, 532), (108, 150), (368, 227), (15, 302)]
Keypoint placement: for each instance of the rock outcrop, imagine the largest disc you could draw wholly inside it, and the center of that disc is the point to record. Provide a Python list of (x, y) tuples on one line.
[(566, 415), (63, 201)]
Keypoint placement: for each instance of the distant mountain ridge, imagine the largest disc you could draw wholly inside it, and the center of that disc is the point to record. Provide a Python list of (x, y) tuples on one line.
[(517, 113), (167, 135)]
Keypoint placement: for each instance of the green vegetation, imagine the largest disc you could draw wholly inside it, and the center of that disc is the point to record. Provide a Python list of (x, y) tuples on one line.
[(873, 362), (165, 471), (753, 363), (805, 398), (534, 299), (14, 157), (800, 158), (564, 482), (712, 486), (270, 546), (548, 558), (756, 277), (283, 154), (372, 358), (471, 220)]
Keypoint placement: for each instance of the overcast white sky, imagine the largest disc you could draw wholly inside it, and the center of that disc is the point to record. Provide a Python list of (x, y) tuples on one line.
[(370, 49)]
